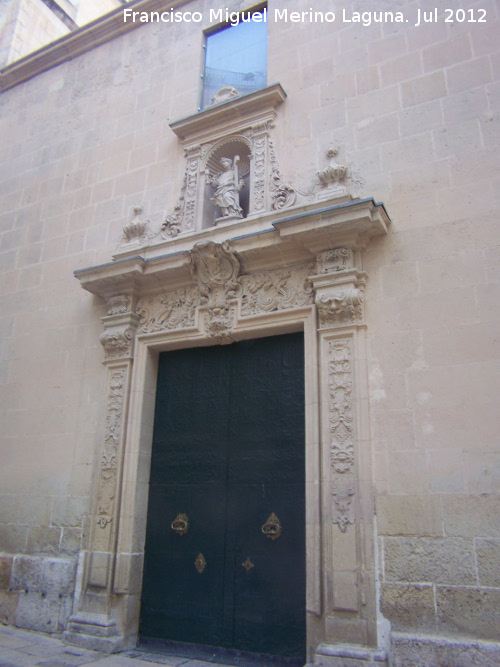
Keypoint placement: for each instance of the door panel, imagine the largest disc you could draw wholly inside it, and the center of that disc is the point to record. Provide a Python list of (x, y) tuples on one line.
[(228, 452)]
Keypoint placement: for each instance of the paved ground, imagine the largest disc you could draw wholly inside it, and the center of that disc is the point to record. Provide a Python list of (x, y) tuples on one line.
[(22, 648)]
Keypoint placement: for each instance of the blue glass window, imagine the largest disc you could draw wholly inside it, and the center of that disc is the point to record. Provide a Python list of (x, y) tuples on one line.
[(236, 56)]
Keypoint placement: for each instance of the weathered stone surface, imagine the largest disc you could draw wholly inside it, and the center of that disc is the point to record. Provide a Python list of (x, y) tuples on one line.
[(27, 573), (5, 571), (59, 575), (488, 562), (13, 538), (71, 541), (474, 612), (440, 560), (409, 515), (43, 540), (45, 590), (427, 651), (43, 575), (409, 607), (472, 516), (8, 606), (36, 611)]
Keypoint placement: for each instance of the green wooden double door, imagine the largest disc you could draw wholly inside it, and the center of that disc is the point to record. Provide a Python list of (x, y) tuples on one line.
[(225, 546)]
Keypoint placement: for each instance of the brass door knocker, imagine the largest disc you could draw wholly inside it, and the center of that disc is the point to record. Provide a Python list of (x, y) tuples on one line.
[(272, 528), (180, 524)]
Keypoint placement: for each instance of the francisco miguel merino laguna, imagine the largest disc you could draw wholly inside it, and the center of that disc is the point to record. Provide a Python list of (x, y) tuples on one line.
[(365, 18)]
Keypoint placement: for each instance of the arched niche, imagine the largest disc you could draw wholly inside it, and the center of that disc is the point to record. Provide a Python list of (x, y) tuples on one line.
[(238, 150)]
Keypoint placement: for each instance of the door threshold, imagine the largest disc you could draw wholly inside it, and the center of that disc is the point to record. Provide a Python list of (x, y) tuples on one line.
[(216, 655)]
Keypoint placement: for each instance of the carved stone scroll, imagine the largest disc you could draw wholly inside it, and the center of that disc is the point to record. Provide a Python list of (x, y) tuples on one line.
[(173, 310), (268, 291)]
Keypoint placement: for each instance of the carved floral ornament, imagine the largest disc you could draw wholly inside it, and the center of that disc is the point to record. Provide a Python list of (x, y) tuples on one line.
[(221, 292)]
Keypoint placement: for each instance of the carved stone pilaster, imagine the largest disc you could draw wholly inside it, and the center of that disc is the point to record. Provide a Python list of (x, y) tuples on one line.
[(340, 407), (183, 217), (258, 183)]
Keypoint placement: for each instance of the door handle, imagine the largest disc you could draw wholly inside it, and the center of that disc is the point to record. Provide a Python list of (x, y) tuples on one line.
[(272, 528), (180, 524)]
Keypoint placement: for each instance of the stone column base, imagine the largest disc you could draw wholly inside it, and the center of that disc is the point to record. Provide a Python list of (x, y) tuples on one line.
[(96, 632), (425, 650), (346, 655)]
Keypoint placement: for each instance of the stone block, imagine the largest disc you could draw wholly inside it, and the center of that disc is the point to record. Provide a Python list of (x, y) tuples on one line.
[(469, 611), (488, 562), (459, 76), (128, 573), (423, 88), (376, 130), (68, 511), (43, 539), (446, 471), (13, 538), (340, 630), (35, 611), (5, 572), (411, 650), (26, 573), (483, 468), (409, 607), (409, 515), (439, 561), (59, 575), (8, 606), (345, 590), (50, 576), (71, 541), (471, 516), (367, 79), (99, 569), (408, 472), (446, 53)]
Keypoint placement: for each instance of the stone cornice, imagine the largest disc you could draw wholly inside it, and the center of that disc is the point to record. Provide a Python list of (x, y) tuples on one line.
[(289, 240), (224, 116), (77, 42)]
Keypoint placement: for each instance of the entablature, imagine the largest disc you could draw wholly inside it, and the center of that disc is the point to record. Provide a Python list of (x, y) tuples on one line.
[(283, 241)]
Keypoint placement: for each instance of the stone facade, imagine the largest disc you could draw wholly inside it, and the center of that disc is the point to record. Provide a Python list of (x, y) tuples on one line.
[(28, 25), (397, 302)]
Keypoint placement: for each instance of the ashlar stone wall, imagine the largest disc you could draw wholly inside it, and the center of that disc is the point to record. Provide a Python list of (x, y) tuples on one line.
[(414, 112)]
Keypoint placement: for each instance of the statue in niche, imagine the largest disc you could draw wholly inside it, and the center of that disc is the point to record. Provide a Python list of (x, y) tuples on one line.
[(227, 185)]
